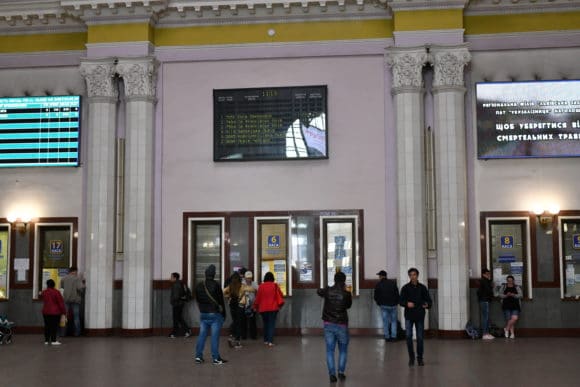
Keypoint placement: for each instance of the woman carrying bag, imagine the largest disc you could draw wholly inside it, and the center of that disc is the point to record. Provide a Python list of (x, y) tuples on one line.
[(52, 312), (269, 300)]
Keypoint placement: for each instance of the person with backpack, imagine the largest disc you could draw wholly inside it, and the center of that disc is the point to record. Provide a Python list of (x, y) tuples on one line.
[(233, 294), (510, 295), (178, 299), (485, 296), (248, 291)]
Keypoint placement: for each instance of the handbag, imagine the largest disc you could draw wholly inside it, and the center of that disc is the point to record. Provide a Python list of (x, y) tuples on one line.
[(63, 321), (220, 308)]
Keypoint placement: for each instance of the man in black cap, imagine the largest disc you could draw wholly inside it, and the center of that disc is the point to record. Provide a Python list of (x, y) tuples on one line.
[(387, 298), (212, 309)]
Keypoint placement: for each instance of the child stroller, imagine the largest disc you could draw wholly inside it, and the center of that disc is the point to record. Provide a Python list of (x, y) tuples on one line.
[(5, 330)]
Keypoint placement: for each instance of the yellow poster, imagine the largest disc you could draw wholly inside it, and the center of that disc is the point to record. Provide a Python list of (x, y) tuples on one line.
[(3, 264), (274, 252)]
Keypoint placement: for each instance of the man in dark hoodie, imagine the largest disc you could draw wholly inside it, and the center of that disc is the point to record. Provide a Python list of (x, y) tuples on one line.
[(334, 314), (212, 309), (177, 304)]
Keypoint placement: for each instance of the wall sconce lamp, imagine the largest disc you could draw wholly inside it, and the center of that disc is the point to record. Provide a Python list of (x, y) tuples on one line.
[(545, 216), (19, 221)]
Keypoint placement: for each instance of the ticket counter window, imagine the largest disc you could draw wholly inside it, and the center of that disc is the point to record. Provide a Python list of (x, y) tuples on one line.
[(304, 250), (53, 253), (339, 250), (206, 248), (570, 241), (273, 251), (508, 252)]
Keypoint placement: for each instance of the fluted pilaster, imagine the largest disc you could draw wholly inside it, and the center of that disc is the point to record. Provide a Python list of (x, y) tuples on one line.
[(139, 76), (100, 168)]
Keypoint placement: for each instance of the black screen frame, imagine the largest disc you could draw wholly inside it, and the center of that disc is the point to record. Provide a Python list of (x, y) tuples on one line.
[(258, 157), (78, 138)]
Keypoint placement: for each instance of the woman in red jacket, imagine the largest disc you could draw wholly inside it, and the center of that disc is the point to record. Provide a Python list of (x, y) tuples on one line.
[(51, 311), (269, 300)]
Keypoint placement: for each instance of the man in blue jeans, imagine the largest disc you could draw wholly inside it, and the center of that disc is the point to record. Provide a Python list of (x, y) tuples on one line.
[(485, 296), (210, 300), (387, 298), (334, 314), (415, 299)]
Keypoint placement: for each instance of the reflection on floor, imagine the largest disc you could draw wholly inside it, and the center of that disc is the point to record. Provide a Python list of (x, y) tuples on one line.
[(294, 361)]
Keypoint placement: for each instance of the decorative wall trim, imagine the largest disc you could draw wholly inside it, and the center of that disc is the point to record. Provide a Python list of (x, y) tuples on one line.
[(272, 50)]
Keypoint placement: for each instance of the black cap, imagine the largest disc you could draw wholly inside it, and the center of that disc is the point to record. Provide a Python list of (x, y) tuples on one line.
[(382, 273)]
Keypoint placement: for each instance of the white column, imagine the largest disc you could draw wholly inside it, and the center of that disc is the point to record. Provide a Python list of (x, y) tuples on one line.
[(451, 186), (407, 65), (100, 169), (139, 78)]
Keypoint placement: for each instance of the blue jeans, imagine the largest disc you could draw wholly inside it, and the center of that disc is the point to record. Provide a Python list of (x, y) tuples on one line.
[(334, 333), (389, 314), (76, 308), (419, 327), (484, 307), (269, 319), (207, 322)]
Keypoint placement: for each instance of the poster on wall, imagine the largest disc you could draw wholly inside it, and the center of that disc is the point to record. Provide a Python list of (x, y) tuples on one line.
[(3, 264)]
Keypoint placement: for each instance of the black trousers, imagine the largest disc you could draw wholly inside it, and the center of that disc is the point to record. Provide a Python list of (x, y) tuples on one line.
[(178, 320), (249, 328), (50, 326)]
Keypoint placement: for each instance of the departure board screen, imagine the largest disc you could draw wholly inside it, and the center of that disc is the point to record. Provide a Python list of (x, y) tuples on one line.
[(275, 123), (40, 131)]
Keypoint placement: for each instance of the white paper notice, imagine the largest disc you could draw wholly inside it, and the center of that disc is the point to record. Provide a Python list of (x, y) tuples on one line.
[(570, 275), (20, 275), (21, 264), (497, 276)]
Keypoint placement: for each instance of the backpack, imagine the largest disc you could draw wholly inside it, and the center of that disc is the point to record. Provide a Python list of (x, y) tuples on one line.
[(472, 331), (185, 293), (495, 331)]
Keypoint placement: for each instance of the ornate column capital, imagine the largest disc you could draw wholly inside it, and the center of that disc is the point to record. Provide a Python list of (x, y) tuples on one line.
[(407, 66), (448, 63), (99, 76), (140, 77)]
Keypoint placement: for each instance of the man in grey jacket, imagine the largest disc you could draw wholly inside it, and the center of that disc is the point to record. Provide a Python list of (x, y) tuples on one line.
[(73, 286)]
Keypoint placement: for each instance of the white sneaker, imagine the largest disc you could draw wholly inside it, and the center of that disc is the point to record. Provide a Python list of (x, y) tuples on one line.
[(56, 343), (506, 333), (487, 336), (46, 343), (512, 336)]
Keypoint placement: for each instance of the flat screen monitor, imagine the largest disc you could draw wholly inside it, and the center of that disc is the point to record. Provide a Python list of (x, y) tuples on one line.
[(528, 119), (40, 131), (274, 123)]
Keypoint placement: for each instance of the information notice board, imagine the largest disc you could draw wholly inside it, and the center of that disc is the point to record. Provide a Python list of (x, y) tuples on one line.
[(275, 123), (39, 131)]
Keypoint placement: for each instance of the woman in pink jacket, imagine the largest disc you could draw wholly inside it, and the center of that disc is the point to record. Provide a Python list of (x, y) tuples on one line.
[(269, 300), (51, 311)]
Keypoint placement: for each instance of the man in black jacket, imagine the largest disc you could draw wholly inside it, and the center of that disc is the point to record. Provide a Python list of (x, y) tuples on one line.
[(387, 298), (334, 314), (415, 299), (485, 296), (177, 304), (212, 309)]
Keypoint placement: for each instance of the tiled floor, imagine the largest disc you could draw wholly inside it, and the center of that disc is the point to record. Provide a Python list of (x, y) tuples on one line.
[(295, 361)]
